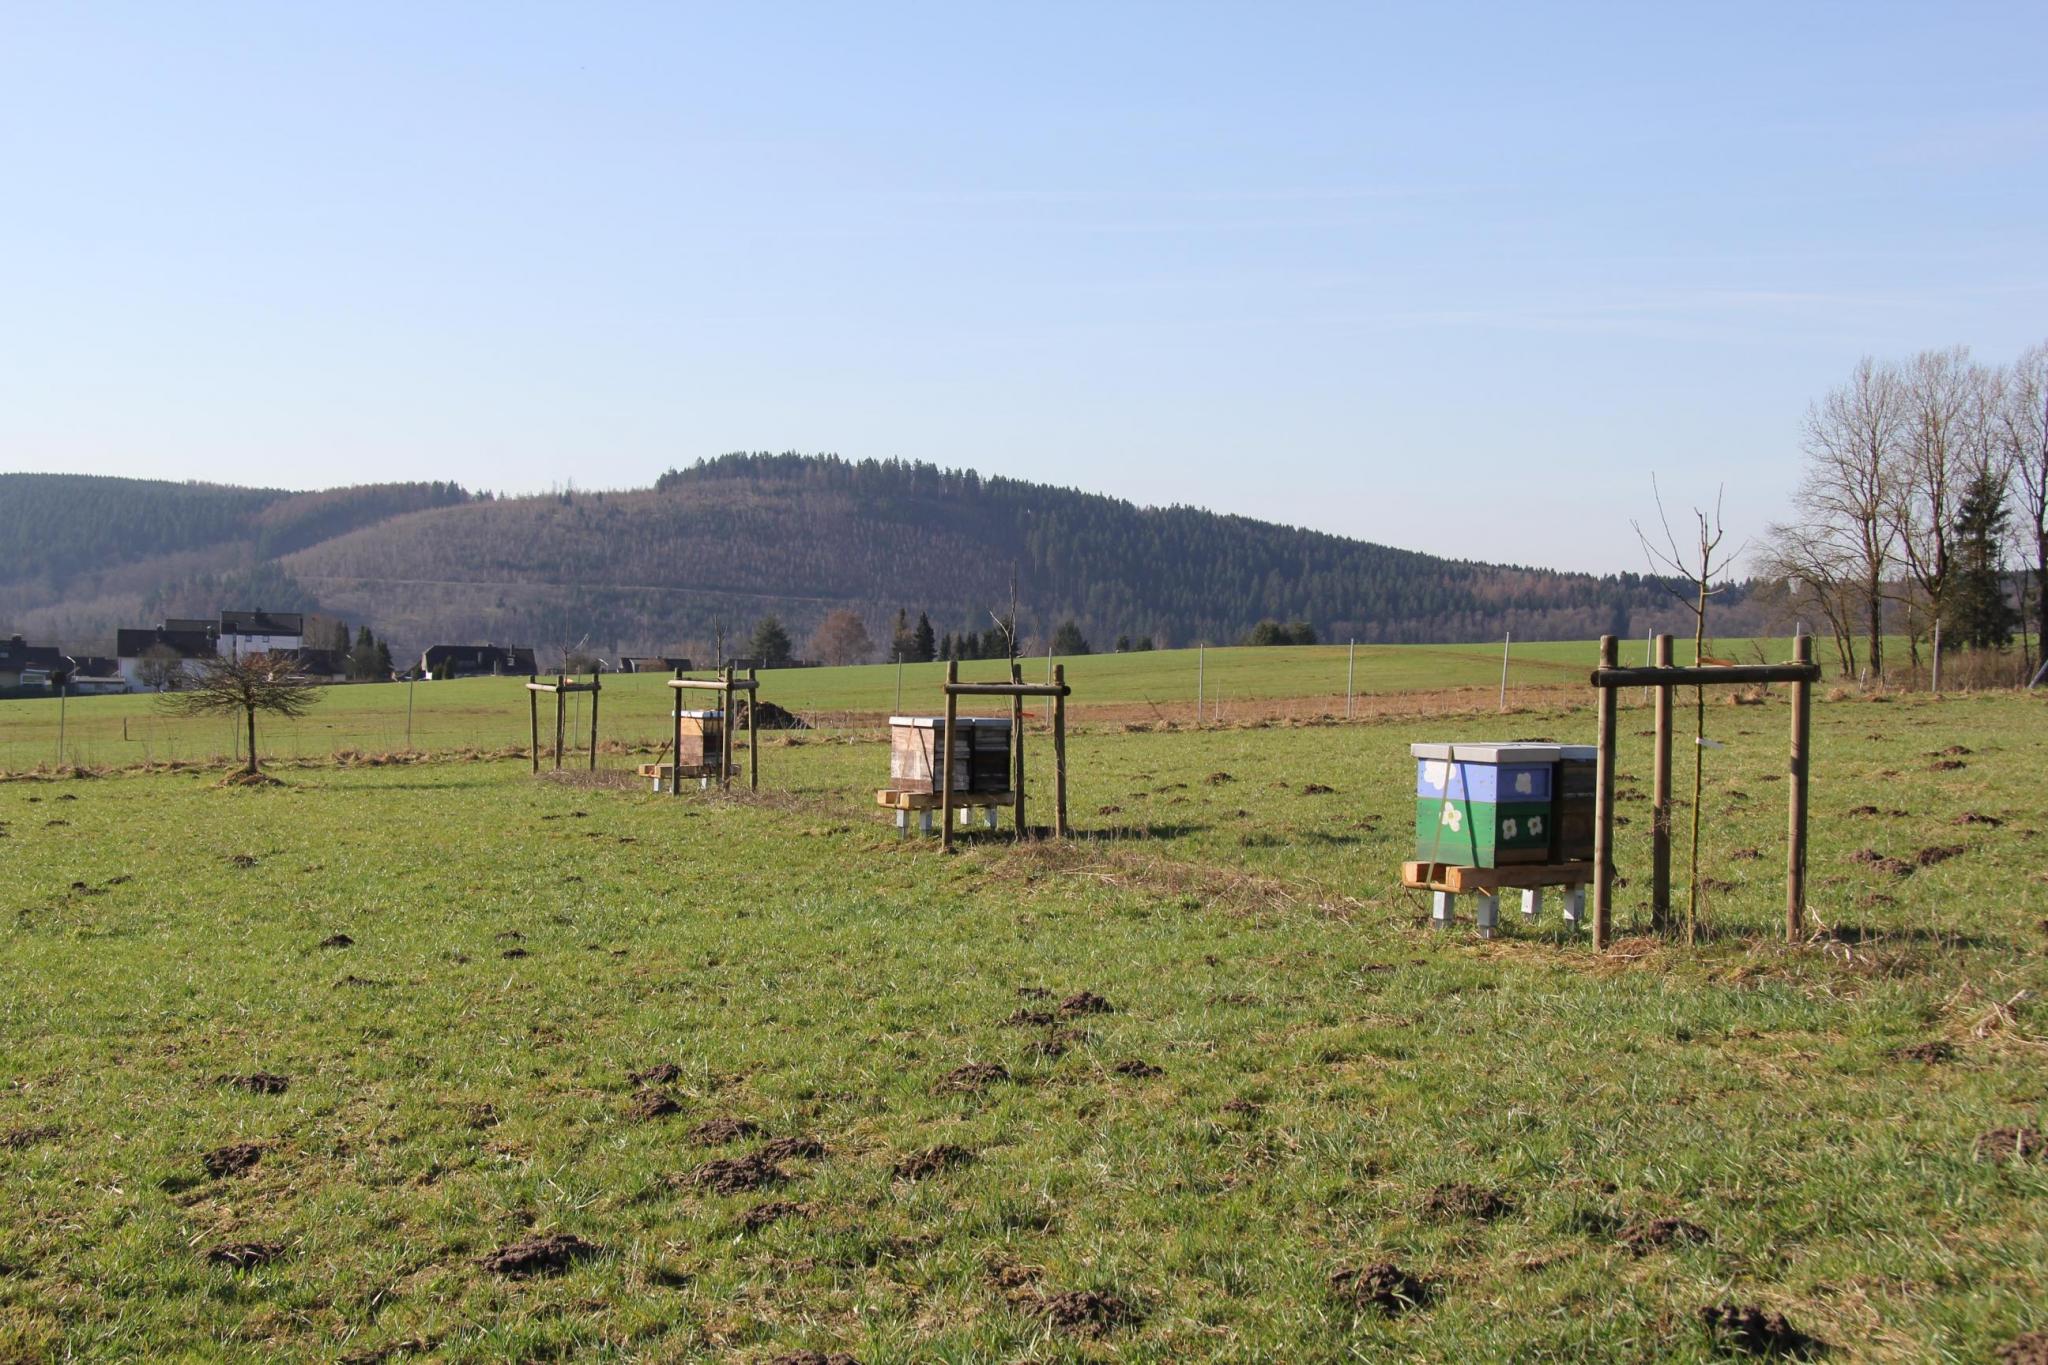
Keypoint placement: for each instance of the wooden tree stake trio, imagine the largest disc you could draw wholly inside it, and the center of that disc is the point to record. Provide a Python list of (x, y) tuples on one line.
[(728, 686), (945, 794), (561, 686)]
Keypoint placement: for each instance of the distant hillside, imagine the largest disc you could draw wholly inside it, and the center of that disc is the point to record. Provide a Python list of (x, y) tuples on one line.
[(730, 540)]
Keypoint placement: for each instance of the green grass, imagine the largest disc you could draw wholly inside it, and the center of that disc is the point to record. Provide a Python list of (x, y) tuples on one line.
[(1327, 1061), (491, 713)]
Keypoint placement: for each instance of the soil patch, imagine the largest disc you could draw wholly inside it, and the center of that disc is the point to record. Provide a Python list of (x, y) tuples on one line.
[(1939, 853), (1756, 1331), (258, 1083), (1030, 1019), (1085, 1002), (2031, 1349), (242, 1255), (1968, 817), (1639, 1239), (514, 954), (1317, 789), (1932, 1052), (1085, 1310), (232, 1159), (812, 1357), (1033, 993), (337, 941), (719, 1131), (793, 1149), (249, 779), (737, 1175), (1383, 1286), (1459, 1200), (15, 1139), (765, 1215), (974, 1076), (1746, 855), (1140, 1069), (1948, 765), (662, 1073), (931, 1161), (548, 1255), (2002, 1145), (653, 1104), (1871, 858)]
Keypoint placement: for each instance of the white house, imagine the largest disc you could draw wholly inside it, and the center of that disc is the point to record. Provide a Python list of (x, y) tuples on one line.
[(261, 632)]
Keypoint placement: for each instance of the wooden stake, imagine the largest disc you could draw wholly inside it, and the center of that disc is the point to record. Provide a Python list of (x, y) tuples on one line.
[(946, 758), (1795, 822), (1506, 643), (675, 752), (561, 717), (725, 724), (1603, 809), (1017, 759), (594, 688), (1059, 753), (1350, 675), (1660, 797), (753, 732), (533, 706)]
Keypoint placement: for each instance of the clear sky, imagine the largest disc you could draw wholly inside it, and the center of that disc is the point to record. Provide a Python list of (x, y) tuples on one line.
[(1454, 278)]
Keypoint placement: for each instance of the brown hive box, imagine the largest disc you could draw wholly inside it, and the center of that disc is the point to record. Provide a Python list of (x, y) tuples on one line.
[(981, 754), (703, 734)]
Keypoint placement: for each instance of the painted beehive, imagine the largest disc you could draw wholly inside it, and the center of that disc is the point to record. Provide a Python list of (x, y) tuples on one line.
[(703, 735), (1484, 805), (981, 754), (1572, 806)]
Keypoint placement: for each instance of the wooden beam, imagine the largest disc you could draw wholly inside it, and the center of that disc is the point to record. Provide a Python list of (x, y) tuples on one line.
[(593, 721), (1603, 807), (675, 752), (1017, 748), (561, 718), (1796, 785), (946, 756), (716, 684), (533, 705), (1660, 798), (753, 733), (1460, 881), (1709, 675), (725, 728), (976, 689)]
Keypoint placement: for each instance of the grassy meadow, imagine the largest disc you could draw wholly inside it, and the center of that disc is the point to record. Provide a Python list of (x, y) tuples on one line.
[(284, 1070)]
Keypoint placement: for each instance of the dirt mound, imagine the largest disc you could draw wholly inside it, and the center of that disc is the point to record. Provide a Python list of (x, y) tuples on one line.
[(249, 779), (972, 1077), (1458, 1200), (1971, 817), (737, 1175), (1086, 1310), (1939, 853), (2031, 1349), (1137, 1068), (1871, 858), (1382, 1285), (1030, 1019), (931, 1161), (242, 1255), (1639, 1239), (2003, 1145), (1948, 765), (793, 1149), (1317, 789), (1241, 1105), (514, 954), (1756, 1331), (243, 860), (1217, 779), (771, 717), (258, 1083), (337, 941), (232, 1159), (1953, 751), (653, 1104), (719, 1131), (1085, 1002), (774, 1211), (661, 1073), (548, 1255), (15, 1139), (813, 1358), (1936, 1051), (1033, 993), (1746, 855)]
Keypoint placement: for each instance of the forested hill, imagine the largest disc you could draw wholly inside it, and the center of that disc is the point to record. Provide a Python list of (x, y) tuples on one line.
[(727, 541)]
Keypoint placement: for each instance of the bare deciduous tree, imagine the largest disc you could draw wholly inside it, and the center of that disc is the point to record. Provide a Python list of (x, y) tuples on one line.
[(269, 683), (1704, 568), (2021, 431), (842, 638), (1944, 446)]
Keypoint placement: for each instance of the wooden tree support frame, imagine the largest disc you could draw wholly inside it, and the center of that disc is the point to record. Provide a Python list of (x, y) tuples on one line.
[(727, 685), (1016, 690), (1609, 679), (561, 687)]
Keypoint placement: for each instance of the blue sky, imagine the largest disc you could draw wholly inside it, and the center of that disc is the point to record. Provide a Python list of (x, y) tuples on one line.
[(1455, 278)]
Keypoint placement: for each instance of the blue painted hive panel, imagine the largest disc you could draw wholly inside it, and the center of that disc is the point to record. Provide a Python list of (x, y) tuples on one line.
[(1490, 782)]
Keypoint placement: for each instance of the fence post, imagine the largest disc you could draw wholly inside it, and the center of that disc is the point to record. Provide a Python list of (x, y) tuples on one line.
[(1796, 775), (1059, 751), (1201, 658), (1350, 677), (946, 759), (1660, 797), (1507, 641), (1603, 814)]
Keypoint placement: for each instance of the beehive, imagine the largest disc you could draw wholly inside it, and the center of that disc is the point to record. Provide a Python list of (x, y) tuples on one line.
[(981, 754), (1484, 805), (1573, 804), (703, 735)]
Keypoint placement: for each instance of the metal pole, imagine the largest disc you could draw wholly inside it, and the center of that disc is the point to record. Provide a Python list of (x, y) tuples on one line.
[(63, 690), (1504, 645), (1199, 659), (899, 686), (408, 713), (1350, 674)]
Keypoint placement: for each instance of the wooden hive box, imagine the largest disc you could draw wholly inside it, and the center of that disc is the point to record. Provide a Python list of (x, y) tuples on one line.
[(1574, 803), (1484, 805), (981, 754), (702, 737)]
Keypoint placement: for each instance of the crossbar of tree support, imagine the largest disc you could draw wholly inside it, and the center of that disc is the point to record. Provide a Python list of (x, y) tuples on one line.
[(726, 684), (1016, 690), (561, 686), (1608, 680)]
